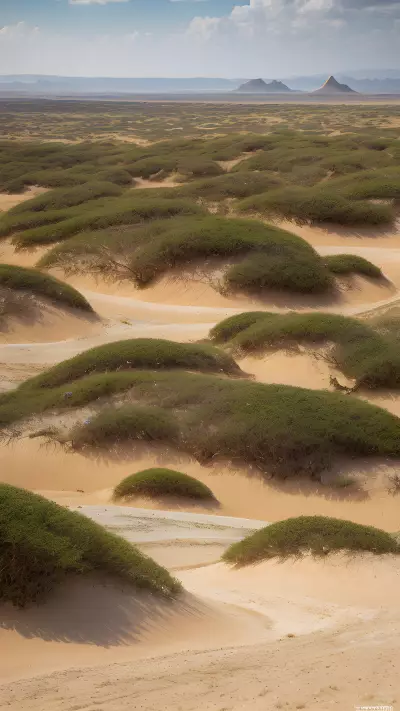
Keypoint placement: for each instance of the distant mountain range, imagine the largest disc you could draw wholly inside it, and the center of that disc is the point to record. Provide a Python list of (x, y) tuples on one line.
[(259, 86), (48, 85)]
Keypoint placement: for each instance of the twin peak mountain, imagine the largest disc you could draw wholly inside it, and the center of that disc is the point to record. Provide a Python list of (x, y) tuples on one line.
[(259, 86)]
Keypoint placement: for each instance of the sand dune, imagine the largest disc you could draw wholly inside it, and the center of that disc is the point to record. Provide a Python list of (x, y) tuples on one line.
[(291, 634), (47, 322)]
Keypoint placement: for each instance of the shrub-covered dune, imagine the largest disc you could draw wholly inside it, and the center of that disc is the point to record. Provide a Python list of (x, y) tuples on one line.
[(344, 264), (271, 258), (148, 353), (162, 482), (318, 535), (317, 205), (42, 544), (279, 429), (360, 351), (42, 285)]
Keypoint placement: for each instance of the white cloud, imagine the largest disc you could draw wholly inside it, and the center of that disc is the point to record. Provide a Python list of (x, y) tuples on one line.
[(93, 2), (18, 30), (203, 27)]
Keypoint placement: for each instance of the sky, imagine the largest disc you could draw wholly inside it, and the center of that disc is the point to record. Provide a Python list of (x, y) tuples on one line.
[(210, 38)]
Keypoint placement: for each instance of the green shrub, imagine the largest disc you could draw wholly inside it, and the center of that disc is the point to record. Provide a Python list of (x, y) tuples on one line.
[(227, 329), (313, 205), (24, 279), (187, 240), (60, 199), (280, 429), (259, 272), (119, 211), (198, 167), (41, 544), (147, 167), (162, 482), (359, 350), (340, 264), (232, 185), (148, 353), (129, 422), (319, 535)]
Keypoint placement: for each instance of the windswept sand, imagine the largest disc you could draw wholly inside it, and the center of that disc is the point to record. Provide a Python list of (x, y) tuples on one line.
[(9, 200), (299, 634)]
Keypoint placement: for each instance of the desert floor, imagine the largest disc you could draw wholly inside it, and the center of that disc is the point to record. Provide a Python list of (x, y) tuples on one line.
[(306, 634)]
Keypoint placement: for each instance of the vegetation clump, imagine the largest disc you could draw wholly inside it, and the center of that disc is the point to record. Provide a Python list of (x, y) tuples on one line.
[(41, 544), (147, 353), (35, 282), (130, 422), (280, 429), (162, 482), (317, 205), (342, 264), (318, 535)]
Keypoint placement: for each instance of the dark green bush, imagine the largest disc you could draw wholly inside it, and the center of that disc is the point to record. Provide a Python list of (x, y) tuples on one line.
[(187, 240), (260, 272), (148, 353), (42, 543), (358, 350), (340, 264), (280, 429), (232, 185), (129, 422), (118, 211), (318, 535), (31, 280), (313, 205), (227, 329), (60, 199), (162, 482)]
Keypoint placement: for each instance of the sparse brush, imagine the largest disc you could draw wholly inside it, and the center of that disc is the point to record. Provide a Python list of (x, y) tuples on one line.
[(35, 282)]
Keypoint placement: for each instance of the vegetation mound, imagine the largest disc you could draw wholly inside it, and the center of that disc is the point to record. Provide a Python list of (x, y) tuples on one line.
[(318, 535), (360, 351), (317, 205), (162, 482), (232, 185), (61, 198), (280, 429), (41, 544), (35, 282), (130, 422), (149, 353), (342, 264)]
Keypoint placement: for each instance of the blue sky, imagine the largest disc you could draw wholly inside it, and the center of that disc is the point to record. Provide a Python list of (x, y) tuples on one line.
[(239, 38)]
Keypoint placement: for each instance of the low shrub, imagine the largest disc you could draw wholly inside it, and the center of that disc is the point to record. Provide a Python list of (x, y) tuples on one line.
[(227, 329), (162, 482), (147, 353), (232, 185), (260, 272), (117, 211), (279, 429), (318, 535), (60, 199), (341, 264), (33, 281), (41, 544), (185, 241), (129, 422), (313, 205), (361, 352)]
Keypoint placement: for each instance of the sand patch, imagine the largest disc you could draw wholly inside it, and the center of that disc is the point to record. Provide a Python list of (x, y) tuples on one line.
[(301, 368), (46, 322), (9, 200), (75, 479), (21, 258), (143, 183)]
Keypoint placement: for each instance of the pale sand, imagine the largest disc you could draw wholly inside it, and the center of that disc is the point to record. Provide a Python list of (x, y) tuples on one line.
[(48, 323), (298, 634), (240, 491), (143, 183), (7, 201), (224, 647)]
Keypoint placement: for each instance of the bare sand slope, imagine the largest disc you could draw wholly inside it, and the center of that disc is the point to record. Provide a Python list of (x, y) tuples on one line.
[(9, 200), (75, 479), (299, 634), (47, 321)]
